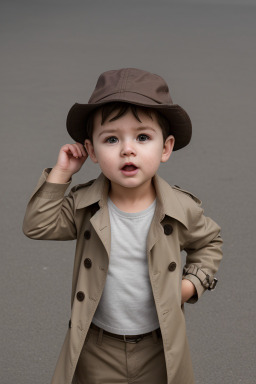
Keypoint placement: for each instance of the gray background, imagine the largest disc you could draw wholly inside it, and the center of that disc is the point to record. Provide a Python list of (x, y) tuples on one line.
[(51, 55)]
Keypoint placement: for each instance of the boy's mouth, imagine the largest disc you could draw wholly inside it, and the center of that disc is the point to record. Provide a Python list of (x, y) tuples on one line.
[(129, 167)]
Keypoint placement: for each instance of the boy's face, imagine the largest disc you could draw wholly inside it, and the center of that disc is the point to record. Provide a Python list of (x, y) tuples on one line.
[(129, 152)]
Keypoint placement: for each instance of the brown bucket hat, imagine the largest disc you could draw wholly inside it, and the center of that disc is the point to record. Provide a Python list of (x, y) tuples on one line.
[(135, 86)]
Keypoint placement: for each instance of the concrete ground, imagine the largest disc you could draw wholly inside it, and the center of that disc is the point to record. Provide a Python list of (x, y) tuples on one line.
[(51, 55)]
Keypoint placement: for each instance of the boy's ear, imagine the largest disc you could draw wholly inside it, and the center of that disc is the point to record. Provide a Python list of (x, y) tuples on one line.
[(168, 148), (90, 150)]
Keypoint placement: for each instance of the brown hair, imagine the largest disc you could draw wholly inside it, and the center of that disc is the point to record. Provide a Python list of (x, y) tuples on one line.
[(122, 108)]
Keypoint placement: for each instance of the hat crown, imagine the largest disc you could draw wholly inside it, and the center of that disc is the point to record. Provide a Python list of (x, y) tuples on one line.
[(122, 84), (134, 86)]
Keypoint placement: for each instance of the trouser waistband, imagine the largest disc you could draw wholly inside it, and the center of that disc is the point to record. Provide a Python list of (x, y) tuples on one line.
[(128, 338)]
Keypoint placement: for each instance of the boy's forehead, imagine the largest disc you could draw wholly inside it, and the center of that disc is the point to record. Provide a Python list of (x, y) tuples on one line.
[(150, 116)]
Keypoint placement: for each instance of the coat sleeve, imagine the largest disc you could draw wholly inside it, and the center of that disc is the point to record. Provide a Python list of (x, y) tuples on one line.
[(49, 214), (202, 244)]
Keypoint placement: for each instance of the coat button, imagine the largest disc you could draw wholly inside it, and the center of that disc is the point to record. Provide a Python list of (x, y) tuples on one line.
[(172, 266), (80, 296), (87, 263), (87, 235), (168, 229)]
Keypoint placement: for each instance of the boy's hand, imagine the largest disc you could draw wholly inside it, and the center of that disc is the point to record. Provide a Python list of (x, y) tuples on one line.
[(70, 160), (187, 290)]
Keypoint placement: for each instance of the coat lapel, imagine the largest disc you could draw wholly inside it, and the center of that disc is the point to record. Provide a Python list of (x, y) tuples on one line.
[(101, 224), (169, 205), (169, 202), (97, 192)]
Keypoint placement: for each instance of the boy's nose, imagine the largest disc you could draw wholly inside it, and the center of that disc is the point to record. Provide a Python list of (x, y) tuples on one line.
[(128, 149)]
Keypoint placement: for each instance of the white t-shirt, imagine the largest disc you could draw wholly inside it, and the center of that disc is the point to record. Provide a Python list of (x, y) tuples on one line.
[(127, 305)]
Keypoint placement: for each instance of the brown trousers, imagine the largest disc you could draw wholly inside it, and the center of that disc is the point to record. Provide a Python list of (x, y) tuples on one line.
[(107, 360)]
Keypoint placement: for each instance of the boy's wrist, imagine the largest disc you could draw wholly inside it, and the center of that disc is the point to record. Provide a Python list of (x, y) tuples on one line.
[(59, 176), (188, 290)]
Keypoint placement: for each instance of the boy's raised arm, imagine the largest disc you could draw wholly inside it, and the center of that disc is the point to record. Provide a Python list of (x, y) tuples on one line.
[(49, 214)]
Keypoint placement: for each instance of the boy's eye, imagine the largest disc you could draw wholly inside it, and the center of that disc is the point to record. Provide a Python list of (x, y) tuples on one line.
[(143, 137), (111, 140)]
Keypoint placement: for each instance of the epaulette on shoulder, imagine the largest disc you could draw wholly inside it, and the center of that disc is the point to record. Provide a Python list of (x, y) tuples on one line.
[(80, 186), (196, 199)]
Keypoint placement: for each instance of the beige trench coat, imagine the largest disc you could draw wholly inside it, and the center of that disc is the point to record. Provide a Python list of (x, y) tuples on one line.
[(178, 224)]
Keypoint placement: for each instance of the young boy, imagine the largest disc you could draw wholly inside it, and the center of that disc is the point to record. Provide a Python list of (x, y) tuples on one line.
[(127, 323)]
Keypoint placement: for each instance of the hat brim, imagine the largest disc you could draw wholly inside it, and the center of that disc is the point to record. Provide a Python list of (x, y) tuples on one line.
[(180, 123)]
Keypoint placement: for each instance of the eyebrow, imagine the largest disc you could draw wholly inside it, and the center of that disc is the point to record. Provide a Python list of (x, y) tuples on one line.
[(114, 130)]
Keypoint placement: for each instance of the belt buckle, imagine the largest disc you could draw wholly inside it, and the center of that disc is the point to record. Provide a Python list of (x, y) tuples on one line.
[(133, 341)]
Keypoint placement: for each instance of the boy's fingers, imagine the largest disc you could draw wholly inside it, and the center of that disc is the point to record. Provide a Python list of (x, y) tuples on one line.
[(75, 150), (82, 149), (78, 150), (66, 148)]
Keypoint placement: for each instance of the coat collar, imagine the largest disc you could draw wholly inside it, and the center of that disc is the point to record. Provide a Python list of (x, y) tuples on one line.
[(95, 193), (168, 201)]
